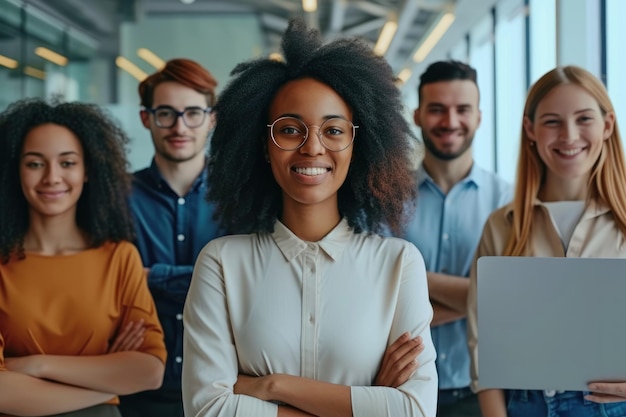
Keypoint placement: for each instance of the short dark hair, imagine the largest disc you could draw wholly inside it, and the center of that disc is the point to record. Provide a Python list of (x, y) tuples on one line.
[(183, 71), (102, 211), (446, 71), (379, 185)]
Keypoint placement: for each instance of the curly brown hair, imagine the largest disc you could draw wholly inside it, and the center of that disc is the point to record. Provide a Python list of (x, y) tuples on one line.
[(380, 184), (102, 210)]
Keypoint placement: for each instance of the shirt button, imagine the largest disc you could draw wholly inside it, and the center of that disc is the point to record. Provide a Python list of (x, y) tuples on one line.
[(311, 318), (550, 393), (442, 356), (180, 237), (181, 201), (179, 316), (178, 359), (445, 236)]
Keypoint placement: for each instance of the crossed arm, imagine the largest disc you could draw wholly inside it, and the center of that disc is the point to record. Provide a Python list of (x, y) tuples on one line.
[(308, 397), (448, 296), (52, 384)]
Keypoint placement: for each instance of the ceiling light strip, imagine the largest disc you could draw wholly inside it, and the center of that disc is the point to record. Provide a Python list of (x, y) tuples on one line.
[(433, 37), (34, 72), (129, 67), (151, 58), (309, 6), (51, 56), (385, 38), (5, 61)]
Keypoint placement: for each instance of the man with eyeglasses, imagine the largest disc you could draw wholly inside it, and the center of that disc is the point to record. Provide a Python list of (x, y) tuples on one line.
[(173, 221)]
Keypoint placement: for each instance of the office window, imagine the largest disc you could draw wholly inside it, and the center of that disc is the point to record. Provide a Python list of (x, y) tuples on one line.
[(615, 58), (481, 58), (542, 14), (510, 83)]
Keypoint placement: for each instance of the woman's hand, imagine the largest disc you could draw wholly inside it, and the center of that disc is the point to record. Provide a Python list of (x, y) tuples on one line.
[(254, 386), (130, 338), (399, 361), (607, 392)]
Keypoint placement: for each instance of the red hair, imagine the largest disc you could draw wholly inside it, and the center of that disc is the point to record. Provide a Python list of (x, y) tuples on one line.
[(184, 71)]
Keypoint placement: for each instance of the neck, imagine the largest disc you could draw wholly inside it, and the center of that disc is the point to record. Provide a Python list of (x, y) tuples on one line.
[(447, 173), (559, 189), (57, 235), (311, 223), (180, 175)]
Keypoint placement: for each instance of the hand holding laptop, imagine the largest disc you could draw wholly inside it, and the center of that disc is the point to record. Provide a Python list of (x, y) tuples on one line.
[(607, 392)]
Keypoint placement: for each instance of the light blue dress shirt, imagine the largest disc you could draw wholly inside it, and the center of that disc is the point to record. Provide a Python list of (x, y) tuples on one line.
[(446, 229)]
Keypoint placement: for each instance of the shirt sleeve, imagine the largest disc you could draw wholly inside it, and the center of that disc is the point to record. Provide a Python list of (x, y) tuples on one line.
[(170, 279), (138, 303), (486, 247), (417, 396), (210, 367)]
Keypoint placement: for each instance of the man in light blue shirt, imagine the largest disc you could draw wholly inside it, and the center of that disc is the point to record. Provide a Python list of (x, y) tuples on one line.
[(454, 200)]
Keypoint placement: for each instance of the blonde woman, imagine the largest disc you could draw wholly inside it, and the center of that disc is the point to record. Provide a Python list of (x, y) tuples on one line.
[(569, 202)]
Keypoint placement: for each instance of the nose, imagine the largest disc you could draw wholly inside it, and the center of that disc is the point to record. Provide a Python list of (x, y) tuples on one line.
[(52, 174), (179, 125), (569, 131), (451, 119), (313, 143)]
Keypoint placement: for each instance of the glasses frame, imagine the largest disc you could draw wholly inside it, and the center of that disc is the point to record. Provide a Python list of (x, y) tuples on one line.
[(306, 135), (177, 115)]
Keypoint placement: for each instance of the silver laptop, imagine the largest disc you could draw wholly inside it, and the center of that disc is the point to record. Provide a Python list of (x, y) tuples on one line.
[(551, 323)]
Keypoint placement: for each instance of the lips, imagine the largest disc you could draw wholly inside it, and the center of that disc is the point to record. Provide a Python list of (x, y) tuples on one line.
[(51, 195)]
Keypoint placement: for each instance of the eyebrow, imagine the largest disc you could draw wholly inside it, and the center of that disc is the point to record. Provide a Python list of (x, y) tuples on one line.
[(558, 115), (462, 105), (39, 154), (297, 116)]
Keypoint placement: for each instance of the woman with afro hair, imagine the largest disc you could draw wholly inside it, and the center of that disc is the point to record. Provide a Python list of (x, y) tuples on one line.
[(77, 323), (306, 310)]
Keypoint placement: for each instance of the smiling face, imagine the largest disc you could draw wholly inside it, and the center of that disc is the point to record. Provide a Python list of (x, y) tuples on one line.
[(179, 143), (569, 131), (311, 174), (448, 115), (52, 171)]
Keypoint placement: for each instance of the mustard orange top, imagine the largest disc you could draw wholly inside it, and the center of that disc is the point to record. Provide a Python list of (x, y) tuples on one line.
[(75, 304)]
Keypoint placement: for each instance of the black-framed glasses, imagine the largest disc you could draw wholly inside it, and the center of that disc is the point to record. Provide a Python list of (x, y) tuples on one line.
[(166, 116), (290, 133)]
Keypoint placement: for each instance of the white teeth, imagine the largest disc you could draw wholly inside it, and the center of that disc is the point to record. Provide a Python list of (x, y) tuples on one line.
[(310, 171), (570, 152)]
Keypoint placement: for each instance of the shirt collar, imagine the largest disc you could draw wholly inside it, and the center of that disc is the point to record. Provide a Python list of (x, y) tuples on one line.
[(593, 209), (199, 183), (475, 176), (333, 244)]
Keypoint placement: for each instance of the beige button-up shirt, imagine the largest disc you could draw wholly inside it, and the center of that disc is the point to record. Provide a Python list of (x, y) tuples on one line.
[(273, 303), (596, 236)]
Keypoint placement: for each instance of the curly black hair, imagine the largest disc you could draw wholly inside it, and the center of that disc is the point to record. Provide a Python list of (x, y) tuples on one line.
[(380, 183), (102, 211)]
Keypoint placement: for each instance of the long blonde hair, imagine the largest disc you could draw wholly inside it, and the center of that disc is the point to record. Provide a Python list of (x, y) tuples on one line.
[(607, 180)]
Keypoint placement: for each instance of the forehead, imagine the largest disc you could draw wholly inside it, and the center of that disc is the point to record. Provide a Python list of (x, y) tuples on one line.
[(171, 93), (309, 99), (567, 98), (51, 139), (450, 93)]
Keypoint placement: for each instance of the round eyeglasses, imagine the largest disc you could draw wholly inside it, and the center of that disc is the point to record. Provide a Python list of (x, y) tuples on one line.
[(166, 116), (290, 133)]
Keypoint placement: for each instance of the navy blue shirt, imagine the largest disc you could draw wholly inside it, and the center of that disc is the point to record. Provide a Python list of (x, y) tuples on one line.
[(171, 231)]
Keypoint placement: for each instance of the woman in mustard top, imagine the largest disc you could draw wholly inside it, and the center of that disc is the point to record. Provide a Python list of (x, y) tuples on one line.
[(77, 323)]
